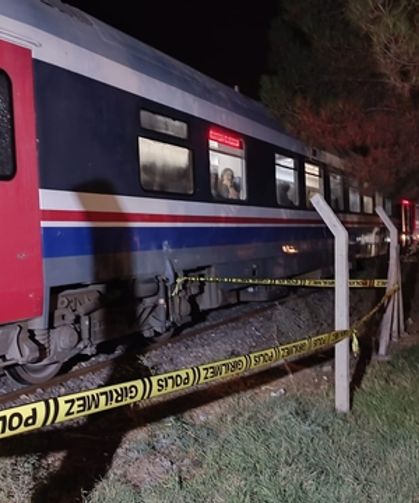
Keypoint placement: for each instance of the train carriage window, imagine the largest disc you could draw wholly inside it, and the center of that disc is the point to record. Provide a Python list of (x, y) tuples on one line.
[(227, 166), (7, 147), (367, 203), (388, 206), (313, 180), (163, 124), (336, 192), (165, 167), (379, 199), (354, 200), (286, 176)]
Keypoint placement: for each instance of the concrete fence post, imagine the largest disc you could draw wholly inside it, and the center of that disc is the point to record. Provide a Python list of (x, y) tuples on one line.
[(342, 373), (392, 323)]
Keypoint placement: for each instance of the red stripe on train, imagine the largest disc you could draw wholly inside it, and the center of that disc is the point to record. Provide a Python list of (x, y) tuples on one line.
[(114, 216)]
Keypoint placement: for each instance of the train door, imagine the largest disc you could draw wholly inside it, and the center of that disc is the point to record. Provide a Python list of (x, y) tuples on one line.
[(20, 239)]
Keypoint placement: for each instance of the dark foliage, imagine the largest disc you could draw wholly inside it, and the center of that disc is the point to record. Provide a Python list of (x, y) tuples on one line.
[(331, 83)]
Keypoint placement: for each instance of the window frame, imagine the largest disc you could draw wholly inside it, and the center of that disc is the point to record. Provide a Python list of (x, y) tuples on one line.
[(353, 186), (371, 199), (230, 150), (297, 182), (169, 134), (378, 200), (386, 204), (170, 144), (330, 174)]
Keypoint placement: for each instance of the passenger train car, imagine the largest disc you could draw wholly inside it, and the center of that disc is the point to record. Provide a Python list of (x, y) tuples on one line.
[(122, 169)]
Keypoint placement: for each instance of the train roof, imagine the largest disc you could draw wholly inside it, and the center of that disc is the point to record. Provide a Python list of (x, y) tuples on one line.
[(73, 25)]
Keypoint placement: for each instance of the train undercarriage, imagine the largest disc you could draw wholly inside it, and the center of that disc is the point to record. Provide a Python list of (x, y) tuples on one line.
[(85, 317)]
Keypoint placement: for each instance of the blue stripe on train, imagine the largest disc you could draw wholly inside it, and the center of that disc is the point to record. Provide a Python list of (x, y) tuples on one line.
[(69, 241)]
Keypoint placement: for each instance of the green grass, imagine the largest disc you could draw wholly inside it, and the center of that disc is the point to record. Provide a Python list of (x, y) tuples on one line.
[(296, 449), (16, 478), (255, 448), (114, 491)]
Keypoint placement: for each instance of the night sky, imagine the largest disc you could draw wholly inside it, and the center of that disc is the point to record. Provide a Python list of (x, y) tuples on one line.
[(225, 40)]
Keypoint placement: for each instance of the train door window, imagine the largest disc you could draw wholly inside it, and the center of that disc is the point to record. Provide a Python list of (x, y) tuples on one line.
[(367, 203), (227, 166), (7, 147), (313, 180), (165, 167), (286, 176), (354, 200), (388, 206), (336, 192)]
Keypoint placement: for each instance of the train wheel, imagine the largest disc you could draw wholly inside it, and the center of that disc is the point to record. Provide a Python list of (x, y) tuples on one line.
[(33, 373)]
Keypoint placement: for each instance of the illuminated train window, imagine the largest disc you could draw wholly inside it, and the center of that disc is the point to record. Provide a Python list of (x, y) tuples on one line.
[(165, 167), (286, 177), (227, 166), (7, 144), (314, 181)]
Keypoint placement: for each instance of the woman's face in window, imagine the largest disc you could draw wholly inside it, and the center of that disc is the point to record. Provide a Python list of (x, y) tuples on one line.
[(228, 176)]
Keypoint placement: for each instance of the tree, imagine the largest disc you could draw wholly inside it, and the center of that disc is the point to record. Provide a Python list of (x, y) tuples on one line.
[(335, 83), (392, 26)]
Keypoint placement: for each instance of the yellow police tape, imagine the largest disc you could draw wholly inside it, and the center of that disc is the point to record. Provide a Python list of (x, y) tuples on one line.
[(317, 283), (356, 326), (395, 288), (24, 418)]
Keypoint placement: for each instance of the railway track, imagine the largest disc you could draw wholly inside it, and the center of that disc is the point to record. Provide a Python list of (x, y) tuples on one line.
[(39, 391)]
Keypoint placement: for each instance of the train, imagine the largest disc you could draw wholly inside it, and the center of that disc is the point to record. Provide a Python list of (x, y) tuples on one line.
[(123, 169)]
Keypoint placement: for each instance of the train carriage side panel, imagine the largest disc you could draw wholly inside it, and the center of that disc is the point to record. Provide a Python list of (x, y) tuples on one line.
[(88, 143)]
